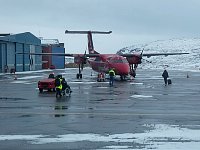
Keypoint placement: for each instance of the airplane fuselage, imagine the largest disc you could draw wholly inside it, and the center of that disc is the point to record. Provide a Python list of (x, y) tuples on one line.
[(104, 62)]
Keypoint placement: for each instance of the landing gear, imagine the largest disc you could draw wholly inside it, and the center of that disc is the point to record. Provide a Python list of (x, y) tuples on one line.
[(133, 70), (123, 77), (79, 74), (132, 73)]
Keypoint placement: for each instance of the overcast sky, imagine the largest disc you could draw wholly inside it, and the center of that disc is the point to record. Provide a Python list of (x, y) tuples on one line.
[(131, 21)]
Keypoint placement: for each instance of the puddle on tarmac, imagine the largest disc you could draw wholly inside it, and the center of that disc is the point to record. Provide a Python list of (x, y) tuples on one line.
[(15, 107), (25, 116), (60, 107), (59, 115), (10, 98)]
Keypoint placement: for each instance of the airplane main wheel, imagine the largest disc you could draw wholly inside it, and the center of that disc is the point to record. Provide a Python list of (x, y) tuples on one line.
[(133, 73), (123, 77), (77, 76)]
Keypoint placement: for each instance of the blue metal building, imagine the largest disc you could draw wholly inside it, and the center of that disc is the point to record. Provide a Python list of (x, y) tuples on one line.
[(22, 42), (58, 61)]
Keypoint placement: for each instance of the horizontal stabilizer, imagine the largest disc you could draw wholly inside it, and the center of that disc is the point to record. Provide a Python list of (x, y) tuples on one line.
[(86, 32)]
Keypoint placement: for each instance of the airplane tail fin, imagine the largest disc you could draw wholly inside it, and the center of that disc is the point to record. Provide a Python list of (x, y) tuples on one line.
[(90, 41)]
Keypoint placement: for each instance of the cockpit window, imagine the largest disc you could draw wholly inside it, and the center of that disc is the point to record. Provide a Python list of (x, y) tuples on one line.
[(97, 59)]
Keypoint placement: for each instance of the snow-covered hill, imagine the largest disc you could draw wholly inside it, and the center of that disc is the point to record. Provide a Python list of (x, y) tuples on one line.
[(182, 62)]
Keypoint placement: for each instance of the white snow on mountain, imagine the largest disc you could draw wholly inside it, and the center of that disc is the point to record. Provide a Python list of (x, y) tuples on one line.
[(183, 62)]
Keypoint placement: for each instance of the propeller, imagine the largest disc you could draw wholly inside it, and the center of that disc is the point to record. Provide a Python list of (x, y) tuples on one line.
[(142, 53), (143, 58), (84, 60), (147, 60)]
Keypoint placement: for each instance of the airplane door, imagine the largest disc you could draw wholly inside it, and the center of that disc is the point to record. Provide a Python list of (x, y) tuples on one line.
[(2, 57), (32, 58)]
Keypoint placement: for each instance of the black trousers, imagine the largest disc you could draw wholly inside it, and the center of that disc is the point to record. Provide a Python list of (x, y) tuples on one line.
[(58, 92), (165, 80)]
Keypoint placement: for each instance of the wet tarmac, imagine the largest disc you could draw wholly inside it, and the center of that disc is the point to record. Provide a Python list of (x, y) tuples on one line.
[(134, 114)]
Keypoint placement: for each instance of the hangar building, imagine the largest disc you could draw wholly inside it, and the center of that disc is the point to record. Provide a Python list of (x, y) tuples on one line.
[(22, 42)]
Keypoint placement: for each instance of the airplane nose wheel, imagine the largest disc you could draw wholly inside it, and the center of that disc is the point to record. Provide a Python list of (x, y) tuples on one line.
[(79, 74)]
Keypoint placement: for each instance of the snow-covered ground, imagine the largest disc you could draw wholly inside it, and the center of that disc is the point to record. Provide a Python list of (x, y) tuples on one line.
[(162, 137), (183, 62)]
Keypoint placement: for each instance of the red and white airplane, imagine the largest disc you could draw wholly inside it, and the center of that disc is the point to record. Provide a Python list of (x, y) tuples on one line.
[(123, 64)]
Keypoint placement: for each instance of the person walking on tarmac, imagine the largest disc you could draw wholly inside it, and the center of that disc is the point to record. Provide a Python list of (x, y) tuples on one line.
[(165, 76), (112, 75), (58, 84)]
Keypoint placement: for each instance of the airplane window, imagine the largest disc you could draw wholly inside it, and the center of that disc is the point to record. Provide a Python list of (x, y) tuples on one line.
[(118, 61), (125, 60), (97, 59)]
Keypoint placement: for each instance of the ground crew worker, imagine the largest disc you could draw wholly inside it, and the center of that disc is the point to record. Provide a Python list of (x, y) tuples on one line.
[(112, 75), (165, 76), (58, 84)]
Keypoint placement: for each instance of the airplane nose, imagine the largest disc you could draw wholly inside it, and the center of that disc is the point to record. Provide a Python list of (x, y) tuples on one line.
[(123, 69)]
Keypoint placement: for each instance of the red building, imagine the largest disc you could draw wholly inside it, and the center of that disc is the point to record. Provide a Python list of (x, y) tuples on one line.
[(50, 61), (46, 59)]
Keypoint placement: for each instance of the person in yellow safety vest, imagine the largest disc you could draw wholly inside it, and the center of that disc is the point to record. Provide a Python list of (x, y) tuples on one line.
[(58, 84), (112, 75)]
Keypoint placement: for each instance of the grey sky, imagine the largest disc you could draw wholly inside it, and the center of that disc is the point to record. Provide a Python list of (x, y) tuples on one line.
[(132, 21)]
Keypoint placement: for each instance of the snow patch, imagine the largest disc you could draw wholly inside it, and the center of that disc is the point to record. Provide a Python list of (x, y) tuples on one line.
[(158, 136)]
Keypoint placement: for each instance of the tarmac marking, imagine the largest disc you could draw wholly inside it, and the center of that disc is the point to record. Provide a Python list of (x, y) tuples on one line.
[(141, 96), (29, 77), (100, 114)]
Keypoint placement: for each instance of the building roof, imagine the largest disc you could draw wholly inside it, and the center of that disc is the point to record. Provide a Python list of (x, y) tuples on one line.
[(49, 41), (25, 37), (4, 34)]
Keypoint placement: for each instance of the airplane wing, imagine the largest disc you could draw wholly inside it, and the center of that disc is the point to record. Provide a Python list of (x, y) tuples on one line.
[(62, 54), (78, 58), (150, 54), (136, 58), (56, 54), (97, 55), (162, 54)]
